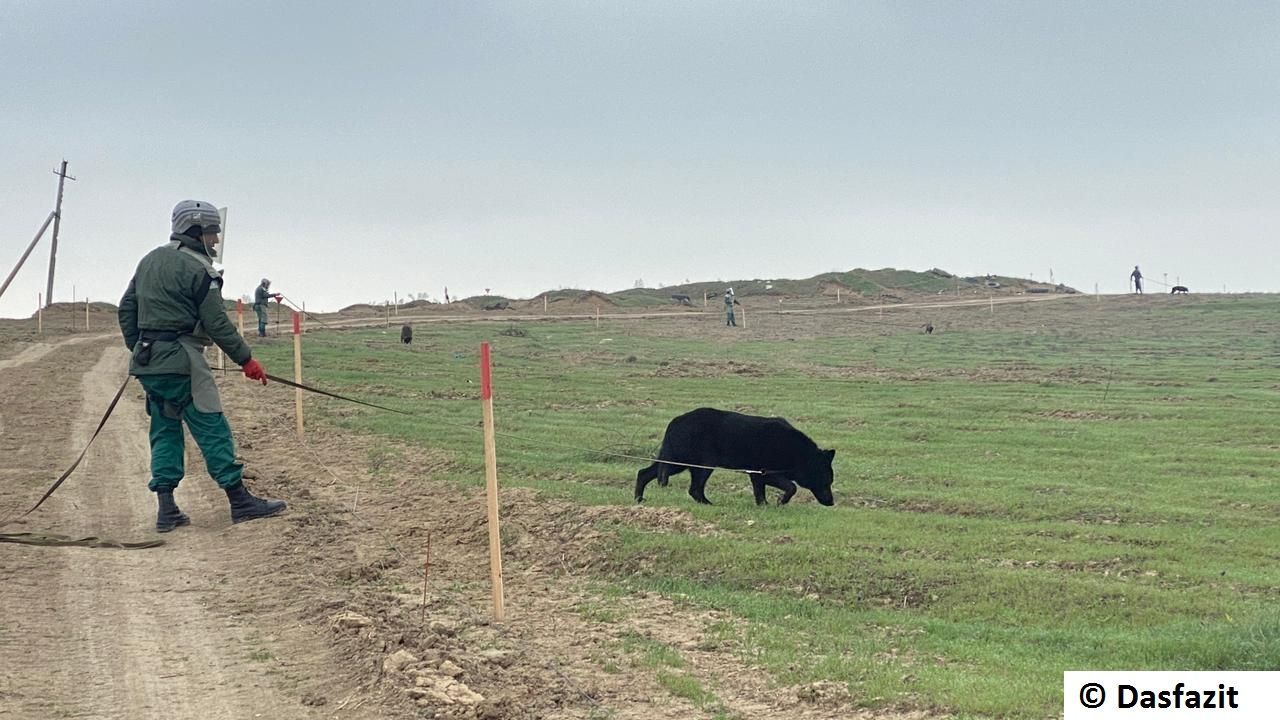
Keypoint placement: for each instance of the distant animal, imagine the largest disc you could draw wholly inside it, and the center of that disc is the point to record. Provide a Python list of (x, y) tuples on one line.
[(1179, 289), (681, 299), (406, 334), (724, 439), (928, 328), (500, 305)]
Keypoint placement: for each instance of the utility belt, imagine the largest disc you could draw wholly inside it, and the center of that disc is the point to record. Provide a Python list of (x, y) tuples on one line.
[(149, 338)]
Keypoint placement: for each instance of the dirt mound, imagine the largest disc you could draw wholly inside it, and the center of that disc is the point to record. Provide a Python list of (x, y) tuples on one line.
[(592, 298)]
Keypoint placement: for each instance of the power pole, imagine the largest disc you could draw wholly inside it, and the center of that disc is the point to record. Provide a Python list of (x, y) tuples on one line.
[(57, 219)]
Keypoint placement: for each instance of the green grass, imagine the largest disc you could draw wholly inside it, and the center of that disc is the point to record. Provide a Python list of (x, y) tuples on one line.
[(1061, 485)]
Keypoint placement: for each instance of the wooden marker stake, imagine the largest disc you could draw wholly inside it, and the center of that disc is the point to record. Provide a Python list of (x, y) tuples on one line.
[(297, 368), (240, 316), (40, 313), (86, 314), (742, 313), (491, 483)]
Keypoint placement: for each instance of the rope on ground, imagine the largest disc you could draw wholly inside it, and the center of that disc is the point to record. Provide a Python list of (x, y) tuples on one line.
[(511, 436), (49, 539)]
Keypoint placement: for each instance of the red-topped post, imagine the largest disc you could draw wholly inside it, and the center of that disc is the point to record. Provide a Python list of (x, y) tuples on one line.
[(491, 483)]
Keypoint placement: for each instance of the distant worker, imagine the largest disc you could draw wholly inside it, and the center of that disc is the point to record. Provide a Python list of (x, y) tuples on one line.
[(1136, 276), (406, 334), (260, 299), (170, 313), (729, 302)]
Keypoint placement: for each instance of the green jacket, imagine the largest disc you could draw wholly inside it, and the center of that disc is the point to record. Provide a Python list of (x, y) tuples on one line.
[(176, 289)]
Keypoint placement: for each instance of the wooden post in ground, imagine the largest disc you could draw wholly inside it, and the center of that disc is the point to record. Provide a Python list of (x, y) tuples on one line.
[(837, 294), (53, 242), (742, 313), (597, 317), (240, 316), (297, 368), (40, 313), (387, 308), (491, 484), (544, 304), (704, 298), (86, 314), (992, 300), (396, 296), (32, 246)]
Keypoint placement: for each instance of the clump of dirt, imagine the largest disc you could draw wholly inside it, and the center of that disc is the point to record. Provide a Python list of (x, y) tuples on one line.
[(703, 369), (1075, 415)]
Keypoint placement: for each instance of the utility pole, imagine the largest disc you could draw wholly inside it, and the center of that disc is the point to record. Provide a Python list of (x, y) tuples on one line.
[(57, 219)]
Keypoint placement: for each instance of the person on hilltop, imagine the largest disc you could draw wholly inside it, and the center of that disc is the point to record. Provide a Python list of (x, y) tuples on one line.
[(260, 298), (171, 311), (729, 302)]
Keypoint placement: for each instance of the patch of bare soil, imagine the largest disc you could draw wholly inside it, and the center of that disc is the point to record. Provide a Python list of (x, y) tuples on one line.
[(175, 631), (351, 558), (704, 368)]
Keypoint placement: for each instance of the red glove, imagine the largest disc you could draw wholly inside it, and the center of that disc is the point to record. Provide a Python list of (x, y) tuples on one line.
[(253, 370)]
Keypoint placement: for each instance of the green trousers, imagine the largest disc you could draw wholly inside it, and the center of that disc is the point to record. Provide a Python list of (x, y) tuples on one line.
[(168, 444)]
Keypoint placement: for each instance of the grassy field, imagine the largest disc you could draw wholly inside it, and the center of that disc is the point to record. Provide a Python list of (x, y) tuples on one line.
[(1063, 485)]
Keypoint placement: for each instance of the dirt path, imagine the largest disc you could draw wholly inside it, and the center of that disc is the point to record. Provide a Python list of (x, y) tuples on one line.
[(127, 634), (39, 350)]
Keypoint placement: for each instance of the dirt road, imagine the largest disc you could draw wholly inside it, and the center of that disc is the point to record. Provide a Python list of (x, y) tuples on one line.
[(113, 633)]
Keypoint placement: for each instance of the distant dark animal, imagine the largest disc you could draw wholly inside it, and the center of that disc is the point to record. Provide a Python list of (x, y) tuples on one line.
[(928, 328), (724, 439), (681, 299), (406, 334), (500, 305), (1179, 289)]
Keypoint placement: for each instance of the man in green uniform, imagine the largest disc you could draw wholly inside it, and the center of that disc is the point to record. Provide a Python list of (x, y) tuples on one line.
[(171, 312), (260, 298)]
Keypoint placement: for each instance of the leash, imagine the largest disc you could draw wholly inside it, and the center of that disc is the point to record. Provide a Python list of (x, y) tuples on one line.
[(517, 438), (51, 540), (48, 539), (294, 305), (61, 479), (336, 396)]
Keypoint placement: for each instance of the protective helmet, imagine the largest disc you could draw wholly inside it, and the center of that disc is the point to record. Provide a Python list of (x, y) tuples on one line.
[(196, 213)]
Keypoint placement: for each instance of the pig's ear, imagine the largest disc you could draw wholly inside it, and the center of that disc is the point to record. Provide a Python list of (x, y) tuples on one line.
[(831, 454)]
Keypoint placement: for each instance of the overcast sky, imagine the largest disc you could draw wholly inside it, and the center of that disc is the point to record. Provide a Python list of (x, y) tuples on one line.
[(366, 148)]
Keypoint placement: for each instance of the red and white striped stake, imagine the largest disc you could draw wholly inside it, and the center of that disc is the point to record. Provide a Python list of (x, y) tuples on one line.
[(491, 483), (297, 368)]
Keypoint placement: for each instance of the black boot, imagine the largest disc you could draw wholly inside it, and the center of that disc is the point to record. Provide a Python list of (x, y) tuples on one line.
[(244, 506), (169, 516)]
